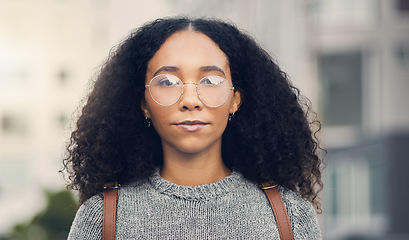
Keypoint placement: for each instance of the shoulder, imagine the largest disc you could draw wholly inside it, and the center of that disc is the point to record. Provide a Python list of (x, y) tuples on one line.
[(88, 220), (294, 201), (302, 215)]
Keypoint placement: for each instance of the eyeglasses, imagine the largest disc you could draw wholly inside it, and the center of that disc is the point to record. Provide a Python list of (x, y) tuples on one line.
[(166, 90)]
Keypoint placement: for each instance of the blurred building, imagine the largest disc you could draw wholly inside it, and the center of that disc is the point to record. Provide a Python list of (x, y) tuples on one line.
[(361, 50), (49, 51), (350, 57)]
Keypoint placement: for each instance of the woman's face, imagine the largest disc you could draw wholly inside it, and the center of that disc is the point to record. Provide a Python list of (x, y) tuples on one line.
[(189, 126)]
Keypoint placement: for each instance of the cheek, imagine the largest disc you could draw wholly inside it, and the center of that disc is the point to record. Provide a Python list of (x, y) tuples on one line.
[(221, 116), (222, 113), (160, 123), (159, 114), (154, 110)]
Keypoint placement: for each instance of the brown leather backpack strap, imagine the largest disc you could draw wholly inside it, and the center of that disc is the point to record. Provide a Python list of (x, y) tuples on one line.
[(109, 211), (280, 212)]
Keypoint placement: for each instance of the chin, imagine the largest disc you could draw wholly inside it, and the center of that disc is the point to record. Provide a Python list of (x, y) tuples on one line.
[(191, 149), (194, 146)]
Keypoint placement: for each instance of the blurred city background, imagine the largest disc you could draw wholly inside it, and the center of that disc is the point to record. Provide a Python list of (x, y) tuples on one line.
[(349, 57)]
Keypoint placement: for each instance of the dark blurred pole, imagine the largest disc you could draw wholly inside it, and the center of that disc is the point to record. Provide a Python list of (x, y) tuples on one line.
[(398, 190)]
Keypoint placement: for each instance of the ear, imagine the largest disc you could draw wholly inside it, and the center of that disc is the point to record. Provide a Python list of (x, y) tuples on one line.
[(145, 109), (236, 101)]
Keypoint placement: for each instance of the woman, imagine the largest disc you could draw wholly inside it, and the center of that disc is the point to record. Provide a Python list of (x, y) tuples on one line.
[(190, 115)]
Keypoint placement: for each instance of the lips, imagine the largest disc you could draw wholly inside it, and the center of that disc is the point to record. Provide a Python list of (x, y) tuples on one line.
[(191, 126)]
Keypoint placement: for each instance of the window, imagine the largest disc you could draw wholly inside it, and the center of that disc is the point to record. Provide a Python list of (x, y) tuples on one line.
[(14, 124), (403, 6), (341, 75), (63, 76), (62, 120), (402, 55)]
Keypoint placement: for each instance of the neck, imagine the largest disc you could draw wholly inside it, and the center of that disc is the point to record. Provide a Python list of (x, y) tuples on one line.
[(193, 169)]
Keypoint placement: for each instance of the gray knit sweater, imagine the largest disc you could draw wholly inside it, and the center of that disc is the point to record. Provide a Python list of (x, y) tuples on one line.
[(232, 208)]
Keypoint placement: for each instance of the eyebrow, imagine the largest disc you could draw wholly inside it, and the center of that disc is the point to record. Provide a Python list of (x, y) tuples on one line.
[(166, 69), (212, 68), (203, 69)]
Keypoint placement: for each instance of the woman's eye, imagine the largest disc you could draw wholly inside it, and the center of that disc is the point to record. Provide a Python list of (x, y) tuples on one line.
[(168, 81), (212, 80)]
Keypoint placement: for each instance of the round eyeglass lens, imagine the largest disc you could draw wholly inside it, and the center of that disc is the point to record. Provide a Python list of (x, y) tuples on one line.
[(214, 91), (165, 89)]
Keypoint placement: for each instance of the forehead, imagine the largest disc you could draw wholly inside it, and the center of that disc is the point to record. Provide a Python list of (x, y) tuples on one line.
[(189, 49)]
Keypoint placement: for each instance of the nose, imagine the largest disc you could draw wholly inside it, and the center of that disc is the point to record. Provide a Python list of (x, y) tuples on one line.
[(190, 98)]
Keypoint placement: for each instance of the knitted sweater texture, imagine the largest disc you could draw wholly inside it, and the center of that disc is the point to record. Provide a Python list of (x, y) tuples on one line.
[(232, 208)]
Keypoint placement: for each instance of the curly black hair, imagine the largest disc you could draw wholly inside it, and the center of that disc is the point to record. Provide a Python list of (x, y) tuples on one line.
[(270, 136)]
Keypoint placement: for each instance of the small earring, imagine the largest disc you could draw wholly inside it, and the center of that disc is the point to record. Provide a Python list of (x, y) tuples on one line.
[(231, 116), (148, 121)]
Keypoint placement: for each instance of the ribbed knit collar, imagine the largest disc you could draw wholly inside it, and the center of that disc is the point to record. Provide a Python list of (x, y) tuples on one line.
[(201, 192)]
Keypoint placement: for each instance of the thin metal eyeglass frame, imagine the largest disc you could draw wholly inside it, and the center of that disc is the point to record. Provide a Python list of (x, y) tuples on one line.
[(183, 86)]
